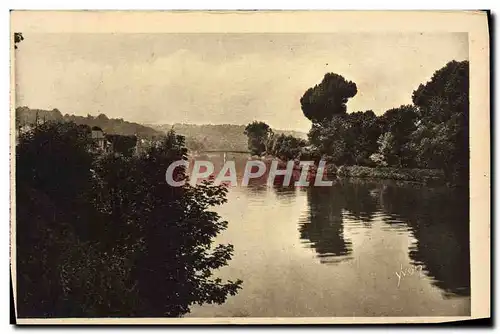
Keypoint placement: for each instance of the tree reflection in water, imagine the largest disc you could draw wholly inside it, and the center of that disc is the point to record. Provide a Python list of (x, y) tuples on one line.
[(322, 227), (437, 217), (358, 199), (439, 220)]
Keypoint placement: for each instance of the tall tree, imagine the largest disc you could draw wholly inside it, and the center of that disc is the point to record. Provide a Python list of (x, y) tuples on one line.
[(327, 99), (53, 219), (442, 137), (347, 138), (331, 139), (397, 126), (174, 267), (446, 94), (287, 147), (362, 136), (258, 134)]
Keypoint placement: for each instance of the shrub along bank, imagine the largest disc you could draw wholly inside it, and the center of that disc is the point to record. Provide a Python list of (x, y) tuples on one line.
[(403, 174)]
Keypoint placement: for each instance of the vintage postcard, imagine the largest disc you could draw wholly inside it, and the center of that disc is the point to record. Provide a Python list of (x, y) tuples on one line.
[(277, 167)]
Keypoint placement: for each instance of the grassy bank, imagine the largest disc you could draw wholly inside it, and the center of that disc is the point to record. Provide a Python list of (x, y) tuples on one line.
[(403, 174)]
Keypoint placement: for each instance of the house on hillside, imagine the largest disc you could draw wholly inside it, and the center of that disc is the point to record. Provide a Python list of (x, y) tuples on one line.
[(99, 138), (126, 145)]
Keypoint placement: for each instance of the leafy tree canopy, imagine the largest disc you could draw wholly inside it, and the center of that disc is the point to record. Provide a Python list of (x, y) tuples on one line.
[(328, 98), (258, 134), (445, 94)]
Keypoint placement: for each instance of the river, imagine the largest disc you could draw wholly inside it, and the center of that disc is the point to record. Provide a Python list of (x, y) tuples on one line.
[(342, 251)]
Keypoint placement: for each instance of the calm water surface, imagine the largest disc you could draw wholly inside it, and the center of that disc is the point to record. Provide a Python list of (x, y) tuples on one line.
[(335, 251)]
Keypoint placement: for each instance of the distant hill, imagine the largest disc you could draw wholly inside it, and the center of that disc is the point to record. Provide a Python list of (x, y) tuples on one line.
[(216, 137), (25, 115), (198, 137)]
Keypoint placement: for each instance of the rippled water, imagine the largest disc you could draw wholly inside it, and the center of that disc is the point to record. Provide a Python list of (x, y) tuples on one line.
[(335, 251)]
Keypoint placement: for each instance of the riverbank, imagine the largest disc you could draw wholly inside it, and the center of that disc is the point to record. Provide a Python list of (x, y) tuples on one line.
[(416, 175), (423, 176), (401, 174)]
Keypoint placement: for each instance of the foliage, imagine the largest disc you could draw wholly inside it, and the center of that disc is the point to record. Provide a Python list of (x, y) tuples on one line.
[(330, 139), (362, 135), (122, 144), (403, 174), (440, 146), (53, 187), (176, 261), (287, 147), (397, 125), (43, 160), (446, 94), (432, 133), (258, 134), (388, 154), (327, 99), (378, 159), (442, 139), (347, 139), (106, 235), (310, 153)]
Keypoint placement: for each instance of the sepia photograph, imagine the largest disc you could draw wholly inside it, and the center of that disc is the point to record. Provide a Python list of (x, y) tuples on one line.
[(217, 168)]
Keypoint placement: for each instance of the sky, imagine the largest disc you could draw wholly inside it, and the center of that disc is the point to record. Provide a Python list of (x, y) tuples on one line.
[(223, 78)]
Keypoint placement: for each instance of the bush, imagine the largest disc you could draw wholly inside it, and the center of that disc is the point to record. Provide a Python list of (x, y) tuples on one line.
[(403, 174)]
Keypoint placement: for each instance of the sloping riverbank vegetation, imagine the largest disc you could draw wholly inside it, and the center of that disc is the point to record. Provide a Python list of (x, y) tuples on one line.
[(400, 174), (430, 134)]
